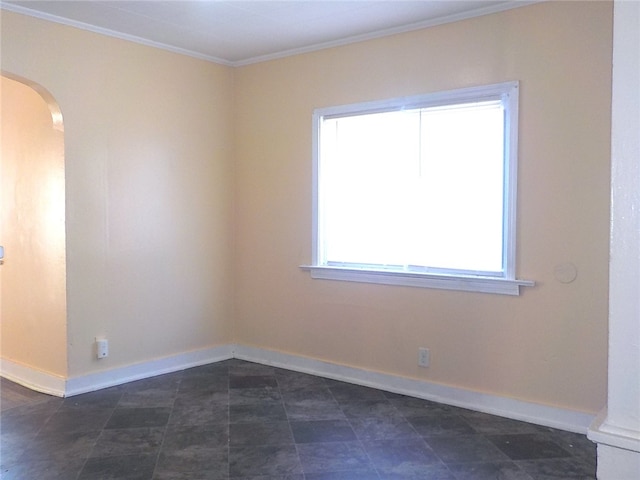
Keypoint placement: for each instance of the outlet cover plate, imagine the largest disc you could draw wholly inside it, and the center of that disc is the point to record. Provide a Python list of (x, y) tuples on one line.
[(423, 357)]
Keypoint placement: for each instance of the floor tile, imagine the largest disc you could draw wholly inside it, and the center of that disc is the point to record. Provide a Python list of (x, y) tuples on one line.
[(492, 424), (14, 395), (236, 420), (107, 398), (29, 418), (323, 431), (203, 382), (441, 425), (292, 381), (334, 457), (60, 446), (368, 408), (200, 396), (151, 397), (12, 447), (579, 446), (528, 446), (128, 441), (369, 475), (257, 413), (558, 469), (274, 433), (404, 458), (195, 449), (465, 448), (416, 407), (489, 471), (311, 394), (41, 469), (252, 381), (272, 477), (344, 392), (139, 417), (255, 396), (427, 472), (78, 420), (163, 474), (193, 459), (238, 367), (205, 412), (169, 381), (373, 428), (123, 467), (184, 437), (313, 409), (246, 461), (220, 369)]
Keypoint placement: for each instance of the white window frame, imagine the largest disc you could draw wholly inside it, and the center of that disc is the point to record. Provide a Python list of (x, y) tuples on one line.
[(507, 283)]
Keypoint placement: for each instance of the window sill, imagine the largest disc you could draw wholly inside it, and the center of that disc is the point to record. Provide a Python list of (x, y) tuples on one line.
[(411, 279)]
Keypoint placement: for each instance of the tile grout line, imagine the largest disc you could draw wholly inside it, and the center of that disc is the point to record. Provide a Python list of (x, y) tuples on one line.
[(360, 442), (293, 438), (95, 442), (166, 427), (320, 416)]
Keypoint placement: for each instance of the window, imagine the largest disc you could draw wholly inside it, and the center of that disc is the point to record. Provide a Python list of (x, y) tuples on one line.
[(419, 191)]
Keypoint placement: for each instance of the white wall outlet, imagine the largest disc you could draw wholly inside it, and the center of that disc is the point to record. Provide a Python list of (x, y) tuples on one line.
[(423, 357), (102, 348)]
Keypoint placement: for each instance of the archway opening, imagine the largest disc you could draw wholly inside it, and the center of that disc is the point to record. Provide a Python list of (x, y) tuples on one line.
[(33, 327)]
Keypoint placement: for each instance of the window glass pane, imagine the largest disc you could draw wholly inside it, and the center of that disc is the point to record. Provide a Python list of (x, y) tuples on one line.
[(364, 185), (416, 188), (458, 209)]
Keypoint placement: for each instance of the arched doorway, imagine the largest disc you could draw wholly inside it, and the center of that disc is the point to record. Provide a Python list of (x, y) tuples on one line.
[(33, 312)]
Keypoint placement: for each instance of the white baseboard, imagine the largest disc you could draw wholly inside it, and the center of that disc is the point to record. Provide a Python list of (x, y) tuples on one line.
[(560, 418), (603, 432), (617, 463), (618, 449), (33, 379), (563, 419), (130, 373), (61, 387)]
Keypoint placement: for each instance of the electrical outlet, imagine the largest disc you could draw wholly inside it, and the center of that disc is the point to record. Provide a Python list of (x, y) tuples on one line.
[(102, 348), (423, 357)]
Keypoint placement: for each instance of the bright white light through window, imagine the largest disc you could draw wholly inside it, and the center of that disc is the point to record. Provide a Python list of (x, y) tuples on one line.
[(420, 188)]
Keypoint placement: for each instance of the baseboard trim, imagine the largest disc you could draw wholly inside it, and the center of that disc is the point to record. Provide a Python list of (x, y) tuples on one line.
[(560, 418), (32, 378), (130, 373), (602, 432), (61, 387), (554, 417)]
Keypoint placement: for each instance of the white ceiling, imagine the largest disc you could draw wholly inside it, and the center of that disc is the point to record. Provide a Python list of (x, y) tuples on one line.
[(239, 32)]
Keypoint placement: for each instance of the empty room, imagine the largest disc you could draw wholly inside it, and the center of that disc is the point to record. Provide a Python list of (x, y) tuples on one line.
[(310, 240)]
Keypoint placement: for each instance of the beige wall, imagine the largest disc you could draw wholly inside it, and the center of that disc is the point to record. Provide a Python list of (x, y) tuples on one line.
[(189, 197), (33, 326), (549, 345), (149, 190)]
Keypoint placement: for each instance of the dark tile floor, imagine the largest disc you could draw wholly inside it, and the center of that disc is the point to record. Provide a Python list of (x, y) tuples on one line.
[(244, 421)]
